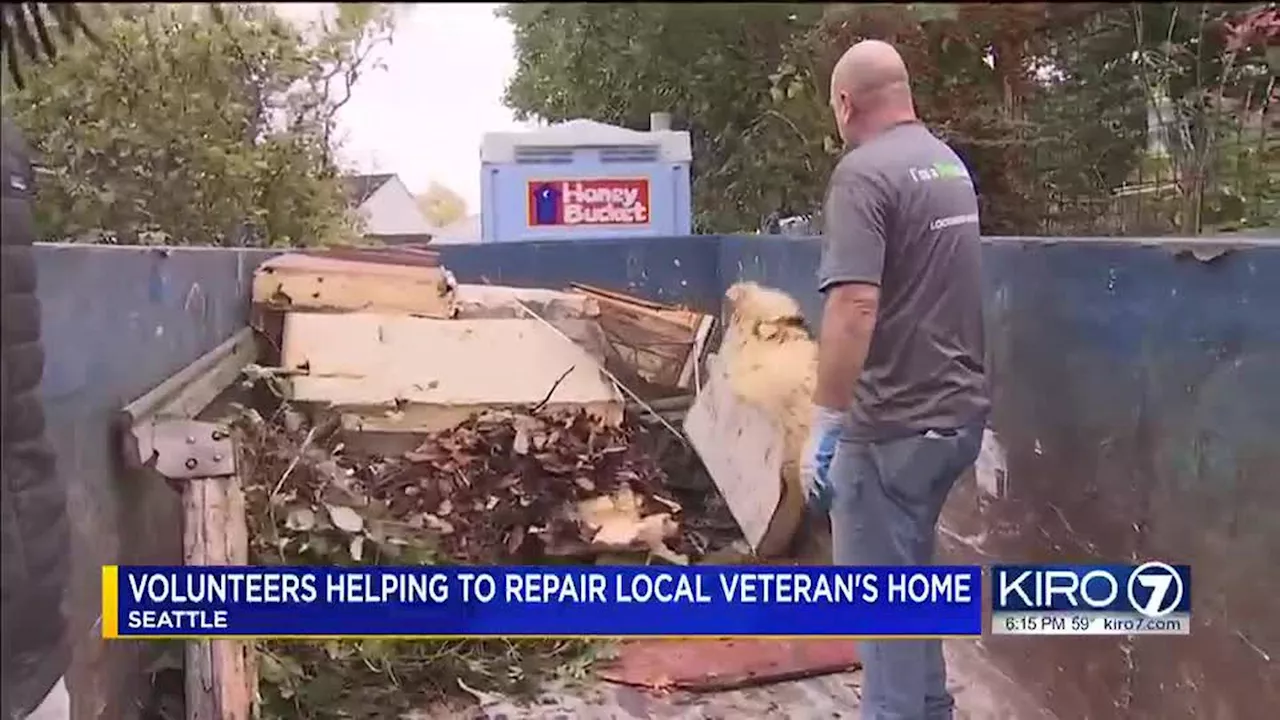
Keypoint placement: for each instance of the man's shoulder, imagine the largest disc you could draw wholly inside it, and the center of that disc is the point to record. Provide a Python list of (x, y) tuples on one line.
[(855, 163), (887, 155)]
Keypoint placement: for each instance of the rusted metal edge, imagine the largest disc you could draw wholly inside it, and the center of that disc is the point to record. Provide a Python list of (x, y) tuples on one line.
[(158, 430)]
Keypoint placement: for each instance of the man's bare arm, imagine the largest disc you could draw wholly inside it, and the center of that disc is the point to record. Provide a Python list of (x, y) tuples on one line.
[(848, 319)]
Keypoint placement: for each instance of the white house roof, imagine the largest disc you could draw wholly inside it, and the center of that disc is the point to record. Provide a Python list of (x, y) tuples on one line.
[(500, 147)]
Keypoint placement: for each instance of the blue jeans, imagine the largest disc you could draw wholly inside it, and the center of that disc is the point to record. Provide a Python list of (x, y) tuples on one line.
[(886, 500)]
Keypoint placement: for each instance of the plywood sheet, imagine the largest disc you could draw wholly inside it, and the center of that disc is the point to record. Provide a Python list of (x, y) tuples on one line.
[(326, 284), (743, 449), (401, 370)]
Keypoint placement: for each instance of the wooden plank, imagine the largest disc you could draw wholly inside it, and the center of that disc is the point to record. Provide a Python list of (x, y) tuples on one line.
[(642, 308), (323, 284), (673, 323), (220, 677), (689, 374), (622, 297), (410, 370), (654, 341), (671, 342)]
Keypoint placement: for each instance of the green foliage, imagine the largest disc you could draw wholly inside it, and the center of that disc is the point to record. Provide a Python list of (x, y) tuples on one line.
[(1047, 102), (196, 124), (716, 67)]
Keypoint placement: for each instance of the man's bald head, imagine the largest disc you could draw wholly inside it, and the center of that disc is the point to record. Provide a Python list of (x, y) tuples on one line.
[(870, 90)]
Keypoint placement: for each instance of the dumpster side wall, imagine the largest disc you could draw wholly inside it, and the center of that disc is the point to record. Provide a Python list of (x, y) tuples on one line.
[(1135, 398), (117, 322), (664, 269)]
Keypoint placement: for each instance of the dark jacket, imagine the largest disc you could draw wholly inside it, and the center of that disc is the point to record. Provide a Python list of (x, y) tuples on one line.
[(34, 524)]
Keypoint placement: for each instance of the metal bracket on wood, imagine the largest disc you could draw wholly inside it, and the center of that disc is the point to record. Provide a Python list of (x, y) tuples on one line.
[(159, 434), (181, 449)]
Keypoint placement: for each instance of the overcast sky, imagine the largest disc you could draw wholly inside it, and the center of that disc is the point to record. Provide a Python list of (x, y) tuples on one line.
[(423, 116)]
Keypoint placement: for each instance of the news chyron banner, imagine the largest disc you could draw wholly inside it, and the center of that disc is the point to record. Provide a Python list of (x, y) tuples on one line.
[(1153, 598), (452, 602)]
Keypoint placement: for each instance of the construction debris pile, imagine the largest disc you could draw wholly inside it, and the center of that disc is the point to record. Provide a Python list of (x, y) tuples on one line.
[(502, 487), (423, 421)]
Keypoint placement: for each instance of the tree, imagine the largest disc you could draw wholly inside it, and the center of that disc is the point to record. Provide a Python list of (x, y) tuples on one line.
[(1047, 103), (712, 66), (1155, 97), (750, 83), (441, 206), (194, 124)]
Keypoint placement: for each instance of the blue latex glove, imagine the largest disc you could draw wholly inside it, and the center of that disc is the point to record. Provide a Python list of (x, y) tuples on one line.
[(815, 468)]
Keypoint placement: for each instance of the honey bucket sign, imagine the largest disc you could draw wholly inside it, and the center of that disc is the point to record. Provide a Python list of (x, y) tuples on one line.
[(579, 202)]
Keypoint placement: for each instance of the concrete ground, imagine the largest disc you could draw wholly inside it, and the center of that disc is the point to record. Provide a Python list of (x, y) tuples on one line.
[(981, 692)]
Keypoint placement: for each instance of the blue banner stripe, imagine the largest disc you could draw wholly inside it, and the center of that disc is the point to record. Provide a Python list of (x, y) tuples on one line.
[(546, 601)]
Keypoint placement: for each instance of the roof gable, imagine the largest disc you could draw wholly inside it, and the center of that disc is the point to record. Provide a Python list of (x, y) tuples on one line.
[(362, 187)]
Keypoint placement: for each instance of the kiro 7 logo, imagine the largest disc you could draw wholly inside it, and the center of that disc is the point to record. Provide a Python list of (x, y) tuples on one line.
[(1154, 589)]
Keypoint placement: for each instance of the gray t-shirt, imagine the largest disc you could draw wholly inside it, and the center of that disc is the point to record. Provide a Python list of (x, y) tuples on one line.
[(901, 213)]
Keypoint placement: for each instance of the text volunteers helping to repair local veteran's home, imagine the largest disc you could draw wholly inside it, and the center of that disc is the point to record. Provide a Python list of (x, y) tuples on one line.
[(901, 396)]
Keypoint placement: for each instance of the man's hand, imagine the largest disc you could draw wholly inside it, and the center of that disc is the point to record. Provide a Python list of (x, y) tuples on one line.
[(815, 469)]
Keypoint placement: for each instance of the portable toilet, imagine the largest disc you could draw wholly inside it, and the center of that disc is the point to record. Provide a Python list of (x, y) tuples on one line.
[(584, 179)]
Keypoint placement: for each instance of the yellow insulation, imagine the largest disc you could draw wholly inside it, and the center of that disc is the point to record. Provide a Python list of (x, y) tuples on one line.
[(772, 363)]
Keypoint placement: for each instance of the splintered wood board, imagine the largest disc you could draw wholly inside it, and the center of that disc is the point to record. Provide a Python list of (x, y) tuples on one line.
[(742, 449), (374, 362), (656, 341), (306, 282)]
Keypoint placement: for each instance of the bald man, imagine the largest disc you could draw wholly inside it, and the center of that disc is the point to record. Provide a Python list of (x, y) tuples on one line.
[(901, 397)]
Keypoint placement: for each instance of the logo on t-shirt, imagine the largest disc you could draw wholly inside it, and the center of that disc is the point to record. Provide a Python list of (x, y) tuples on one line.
[(940, 171), (589, 202)]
